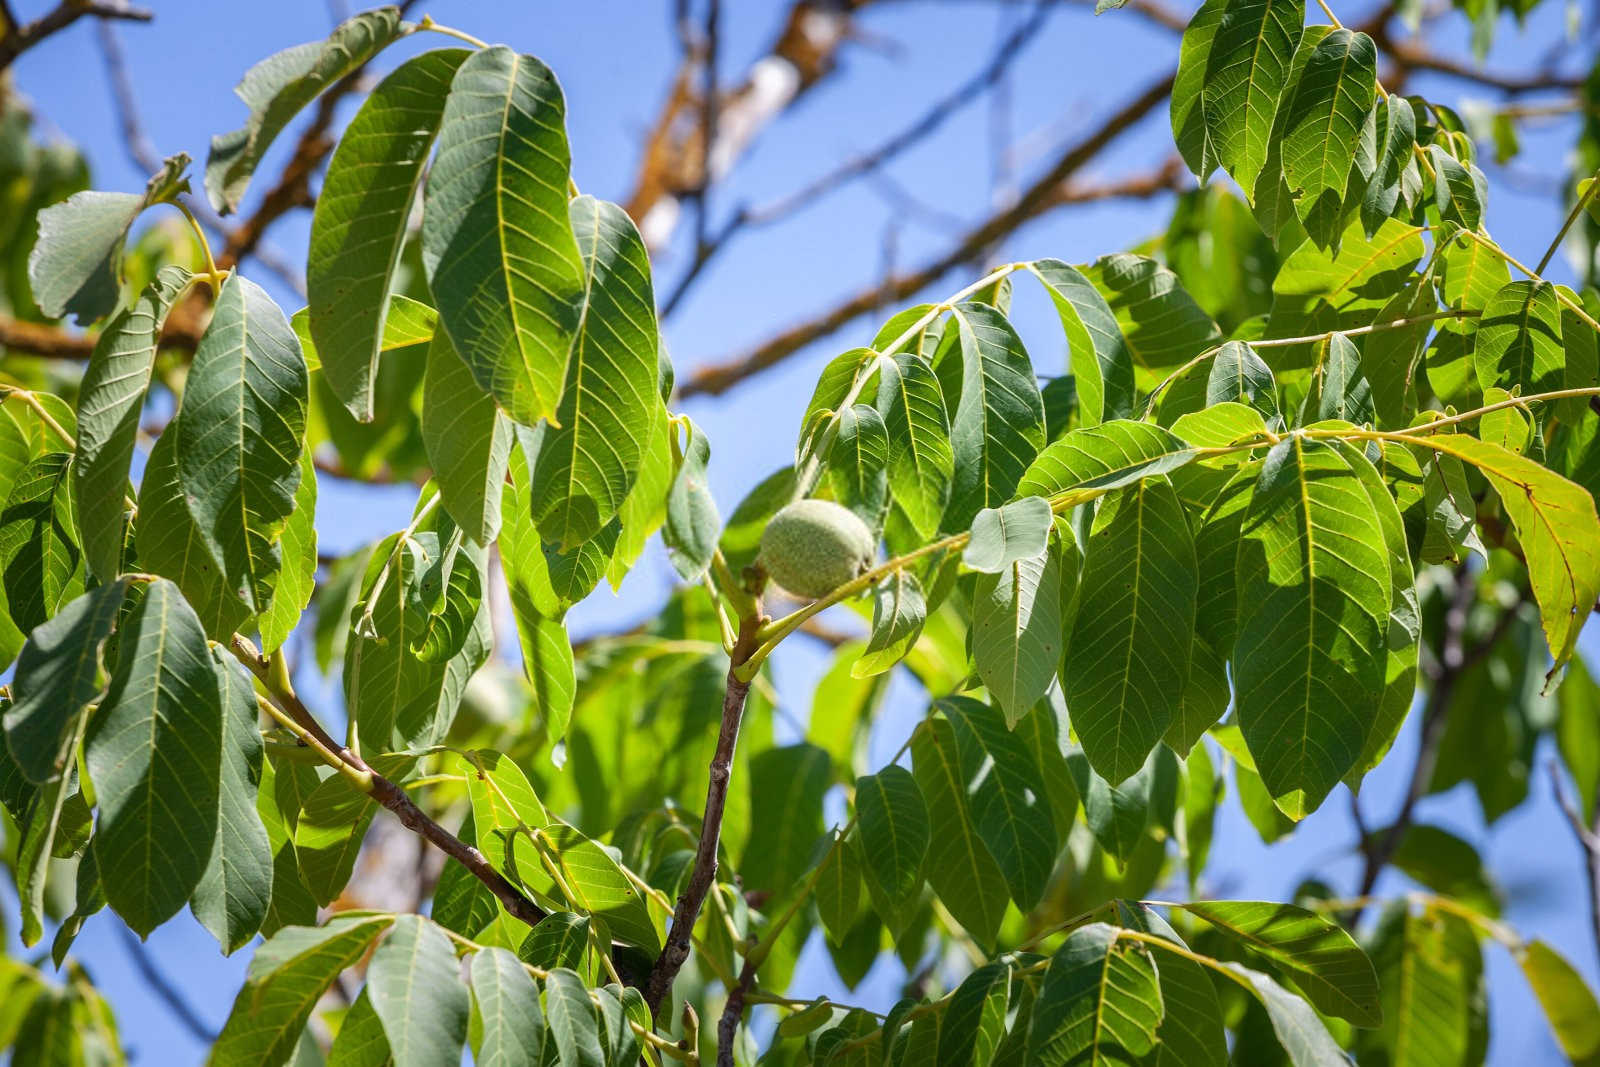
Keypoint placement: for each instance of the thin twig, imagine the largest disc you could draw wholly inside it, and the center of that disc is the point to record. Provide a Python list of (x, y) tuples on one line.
[(1588, 836), (63, 15), (1035, 200)]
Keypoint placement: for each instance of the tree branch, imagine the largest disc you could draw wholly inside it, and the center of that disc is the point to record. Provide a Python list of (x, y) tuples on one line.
[(13, 44), (732, 1012), (1038, 198), (1588, 841), (387, 793), (704, 872)]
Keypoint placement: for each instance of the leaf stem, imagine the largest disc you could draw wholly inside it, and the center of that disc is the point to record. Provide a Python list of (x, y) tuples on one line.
[(1572, 217), (28, 398), (1570, 304), (426, 23), (212, 274)]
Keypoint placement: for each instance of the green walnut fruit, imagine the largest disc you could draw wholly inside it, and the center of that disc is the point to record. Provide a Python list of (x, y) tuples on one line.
[(812, 547)]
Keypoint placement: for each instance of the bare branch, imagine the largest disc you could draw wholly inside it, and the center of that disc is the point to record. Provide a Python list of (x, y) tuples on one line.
[(1041, 196), (1408, 55), (13, 44)]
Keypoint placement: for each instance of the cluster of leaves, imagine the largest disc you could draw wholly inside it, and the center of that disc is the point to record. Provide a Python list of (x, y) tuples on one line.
[(1232, 536)]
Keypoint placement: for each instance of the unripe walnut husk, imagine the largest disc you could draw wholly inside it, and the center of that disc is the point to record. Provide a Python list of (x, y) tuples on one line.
[(812, 547)]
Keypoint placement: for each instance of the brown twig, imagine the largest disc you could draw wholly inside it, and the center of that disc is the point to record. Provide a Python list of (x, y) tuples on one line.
[(732, 1012), (1588, 835), (704, 871), (1038, 198), (13, 44), (390, 795)]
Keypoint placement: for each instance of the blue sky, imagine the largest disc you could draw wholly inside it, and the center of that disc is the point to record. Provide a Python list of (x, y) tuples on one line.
[(614, 58)]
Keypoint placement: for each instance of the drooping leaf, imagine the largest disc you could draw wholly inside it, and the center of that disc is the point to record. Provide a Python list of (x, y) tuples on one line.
[(287, 975), (1339, 390), (960, 867), (468, 442), (1127, 655), (858, 464), (1569, 1005), (1397, 139), (573, 1027), (1245, 76), (360, 223), (154, 748), (1004, 535), (39, 556), (75, 267), (1330, 103), (1100, 1002), (1188, 115), (1301, 1034), (894, 828), (1560, 534), (692, 523), (899, 610), (1326, 962), (1519, 339), (496, 238), (59, 674), (1240, 376), (1102, 366), (328, 834), (240, 430), (921, 464), (415, 988), (1429, 967), (998, 426), (1116, 814), (360, 1041), (297, 573), (1006, 794), (276, 88), (1016, 631), (511, 1025), (1459, 189), (1314, 598), (232, 897), (975, 1020), (110, 401), (588, 461)]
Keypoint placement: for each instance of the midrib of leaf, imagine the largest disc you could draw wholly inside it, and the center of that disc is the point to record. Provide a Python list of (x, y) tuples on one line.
[(1311, 583)]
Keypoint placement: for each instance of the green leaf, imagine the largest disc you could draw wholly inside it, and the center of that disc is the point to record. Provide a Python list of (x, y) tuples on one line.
[(276, 88), (153, 750), (1246, 72), (1116, 814), (560, 940), (328, 836), (240, 430), (169, 544), (1330, 103), (75, 266), (55, 814), (1448, 865), (1006, 794), (1317, 290), (1188, 115), (1191, 1032), (360, 1041), (1104, 457), (1568, 1003), (59, 674), (998, 426), (960, 867), (361, 221), (1325, 962), (1102, 366), (468, 442), (1100, 1002), (786, 787), (1302, 1035), (1238, 375), (407, 323), (599, 886), (1397, 140), (505, 809), (1162, 325), (110, 402), (573, 1027), (1206, 696), (858, 464), (415, 987), (838, 888), (1338, 389), (297, 576), (232, 897), (974, 1022), (510, 1020), (38, 544), (894, 831), (692, 526), (496, 239), (921, 463), (548, 665), (287, 976), (1460, 190), (1314, 598), (899, 610), (1519, 339), (1127, 656), (1016, 631), (588, 462), (1430, 968), (1560, 534), (1002, 536)]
